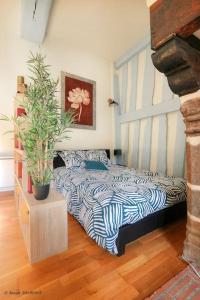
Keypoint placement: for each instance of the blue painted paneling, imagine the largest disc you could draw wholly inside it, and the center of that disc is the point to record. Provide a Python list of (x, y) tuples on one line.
[(135, 141), (125, 146), (148, 82), (167, 94), (134, 74), (146, 147), (132, 52), (169, 103), (162, 145), (124, 88), (34, 29), (179, 153), (117, 117), (155, 110)]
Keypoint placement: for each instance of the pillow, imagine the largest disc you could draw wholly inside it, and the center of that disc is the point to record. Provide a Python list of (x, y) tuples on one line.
[(73, 158), (94, 165), (98, 155)]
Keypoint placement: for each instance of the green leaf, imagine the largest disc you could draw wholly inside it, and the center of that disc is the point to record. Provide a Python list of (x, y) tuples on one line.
[(44, 123)]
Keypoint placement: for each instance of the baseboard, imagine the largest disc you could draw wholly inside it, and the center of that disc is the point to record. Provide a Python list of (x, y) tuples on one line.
[(7, 189)]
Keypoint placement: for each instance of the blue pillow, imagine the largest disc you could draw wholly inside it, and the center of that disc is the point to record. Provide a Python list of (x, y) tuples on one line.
[(94, 165)]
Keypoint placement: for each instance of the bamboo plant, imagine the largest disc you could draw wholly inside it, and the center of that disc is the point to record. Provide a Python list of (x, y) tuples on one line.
[(43, 124)]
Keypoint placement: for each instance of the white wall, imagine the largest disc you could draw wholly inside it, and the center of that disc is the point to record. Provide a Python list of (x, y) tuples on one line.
[(6, 175), (13, 55)]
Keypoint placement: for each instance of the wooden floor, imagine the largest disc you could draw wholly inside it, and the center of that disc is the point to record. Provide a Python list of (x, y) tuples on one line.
[(86, 271)]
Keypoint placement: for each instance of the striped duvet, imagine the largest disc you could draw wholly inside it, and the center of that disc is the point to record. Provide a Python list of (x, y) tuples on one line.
[(103, 201)]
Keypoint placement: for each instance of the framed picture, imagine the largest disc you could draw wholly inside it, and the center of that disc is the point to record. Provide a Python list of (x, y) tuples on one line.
[(79, 94)]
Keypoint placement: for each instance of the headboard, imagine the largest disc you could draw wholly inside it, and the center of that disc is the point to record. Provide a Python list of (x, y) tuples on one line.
[(58, 161)]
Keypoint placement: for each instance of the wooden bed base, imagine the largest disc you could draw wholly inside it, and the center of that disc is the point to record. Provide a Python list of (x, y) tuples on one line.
[(129, 233)]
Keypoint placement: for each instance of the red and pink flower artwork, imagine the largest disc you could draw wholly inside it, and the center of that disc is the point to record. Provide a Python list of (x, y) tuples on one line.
[(79, 95)]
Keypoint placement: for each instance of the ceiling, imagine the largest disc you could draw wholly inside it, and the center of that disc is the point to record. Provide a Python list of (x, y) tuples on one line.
[(104, 27)]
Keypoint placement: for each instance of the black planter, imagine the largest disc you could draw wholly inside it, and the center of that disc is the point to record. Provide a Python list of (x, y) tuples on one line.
[(41, 192)]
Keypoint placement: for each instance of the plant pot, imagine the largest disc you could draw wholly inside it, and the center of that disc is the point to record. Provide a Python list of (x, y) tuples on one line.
[(41, 192)]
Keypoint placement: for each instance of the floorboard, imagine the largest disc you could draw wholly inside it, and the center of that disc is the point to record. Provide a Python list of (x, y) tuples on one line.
[(85, 271)]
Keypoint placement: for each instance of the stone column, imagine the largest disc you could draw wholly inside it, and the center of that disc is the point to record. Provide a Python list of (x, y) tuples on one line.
[(190, 108), (177, 55), (180, 62)]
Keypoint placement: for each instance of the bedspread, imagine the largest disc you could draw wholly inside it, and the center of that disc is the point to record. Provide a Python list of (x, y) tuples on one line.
[(103, 201)]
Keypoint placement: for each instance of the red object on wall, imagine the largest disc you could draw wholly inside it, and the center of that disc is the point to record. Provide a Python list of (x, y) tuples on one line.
[(16, 142), (20, 145), (19, 171), (20, 111), (30, 190)]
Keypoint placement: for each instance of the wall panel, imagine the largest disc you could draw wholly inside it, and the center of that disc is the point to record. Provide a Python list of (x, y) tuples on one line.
[(134, 142), (179, 154), (145, 144), (162, 144), (171, 141), (124, 88), (154, 144), (133, 80), (148, 80), (148, 123), (140, 79), (125, 143), (116, 83)]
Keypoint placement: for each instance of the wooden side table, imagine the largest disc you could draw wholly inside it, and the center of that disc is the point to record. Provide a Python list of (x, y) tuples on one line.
[(43, 223)]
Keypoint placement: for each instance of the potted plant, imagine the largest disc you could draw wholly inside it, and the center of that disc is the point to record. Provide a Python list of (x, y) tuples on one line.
[(41, 126)]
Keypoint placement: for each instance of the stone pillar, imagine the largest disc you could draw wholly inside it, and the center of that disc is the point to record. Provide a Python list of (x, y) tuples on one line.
[(190, 108), (177, 55), (180, 62)]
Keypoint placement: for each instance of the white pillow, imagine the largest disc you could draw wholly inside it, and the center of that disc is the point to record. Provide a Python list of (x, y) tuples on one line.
[(98, 155), (73, 158)]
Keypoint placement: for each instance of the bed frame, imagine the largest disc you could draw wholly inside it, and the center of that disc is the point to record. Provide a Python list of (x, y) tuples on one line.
[(129, 233)]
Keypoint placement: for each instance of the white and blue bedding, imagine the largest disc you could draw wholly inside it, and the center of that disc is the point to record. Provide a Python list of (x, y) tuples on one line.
[(103, 201)]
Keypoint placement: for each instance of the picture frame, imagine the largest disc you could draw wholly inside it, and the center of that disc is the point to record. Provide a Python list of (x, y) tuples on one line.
[(79, 94)]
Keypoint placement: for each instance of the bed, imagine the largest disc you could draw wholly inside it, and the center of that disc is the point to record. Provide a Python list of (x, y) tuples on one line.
[(117, 205)]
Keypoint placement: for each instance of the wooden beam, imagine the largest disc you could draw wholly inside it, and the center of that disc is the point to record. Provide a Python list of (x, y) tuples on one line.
[(34, 20), (117, 116), (181, 64), (151, 111), (150, 2), (174, 17)]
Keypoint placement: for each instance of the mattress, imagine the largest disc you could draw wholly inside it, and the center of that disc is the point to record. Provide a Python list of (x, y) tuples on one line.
[(103, 201)]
